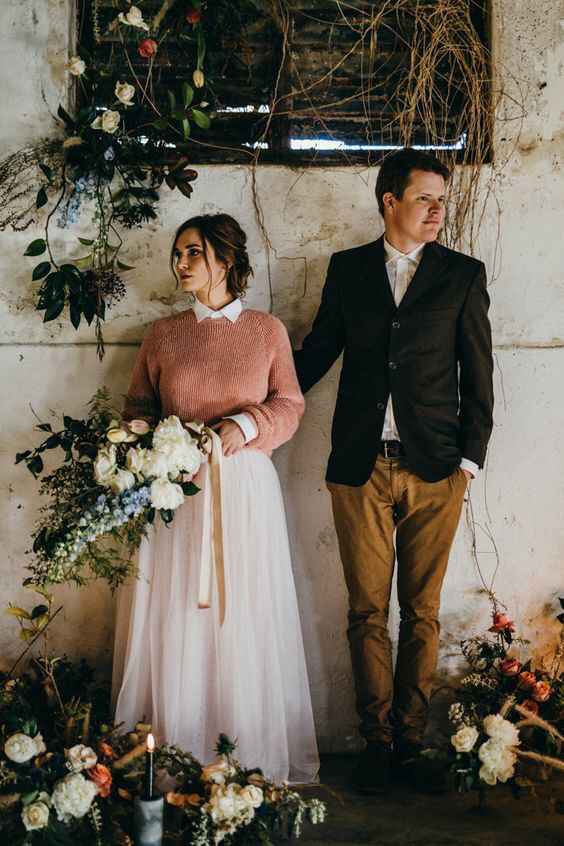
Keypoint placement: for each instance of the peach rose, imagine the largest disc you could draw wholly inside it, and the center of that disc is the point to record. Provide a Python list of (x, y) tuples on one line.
[(147, 48), (140, 427), (102, 778), (527, 680), (510, 667), (541, 691), (105, 750), (183, 800), (501, 622), (531, 706)]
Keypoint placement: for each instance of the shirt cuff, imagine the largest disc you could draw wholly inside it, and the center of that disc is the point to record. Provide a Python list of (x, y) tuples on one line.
[(246, 424), (471, 466)]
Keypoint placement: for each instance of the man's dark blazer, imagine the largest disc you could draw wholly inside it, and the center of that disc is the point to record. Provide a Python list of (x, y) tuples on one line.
[(433, 353)]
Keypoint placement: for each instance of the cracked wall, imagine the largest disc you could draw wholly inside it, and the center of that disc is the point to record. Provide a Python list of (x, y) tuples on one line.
[(308, 215)]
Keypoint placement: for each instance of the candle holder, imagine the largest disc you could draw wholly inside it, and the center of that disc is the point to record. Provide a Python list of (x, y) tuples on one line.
[(148, 821)]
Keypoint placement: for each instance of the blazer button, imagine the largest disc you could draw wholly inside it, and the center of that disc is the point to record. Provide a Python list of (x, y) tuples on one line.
[(395, 324), (380, 406), (392, 365)]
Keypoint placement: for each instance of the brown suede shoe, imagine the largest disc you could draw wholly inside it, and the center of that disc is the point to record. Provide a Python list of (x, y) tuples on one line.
[(372, 772)]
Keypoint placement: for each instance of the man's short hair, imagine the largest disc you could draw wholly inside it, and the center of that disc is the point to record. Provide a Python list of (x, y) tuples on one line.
[(396, 169)]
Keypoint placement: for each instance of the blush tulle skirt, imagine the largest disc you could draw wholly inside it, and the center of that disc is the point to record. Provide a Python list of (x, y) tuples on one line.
[(176, 667)]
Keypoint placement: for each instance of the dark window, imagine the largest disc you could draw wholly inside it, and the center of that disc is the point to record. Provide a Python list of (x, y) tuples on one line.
[(321, 81)]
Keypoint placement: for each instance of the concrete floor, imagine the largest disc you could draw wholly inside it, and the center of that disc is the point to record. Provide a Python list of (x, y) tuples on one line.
[(415, 819)]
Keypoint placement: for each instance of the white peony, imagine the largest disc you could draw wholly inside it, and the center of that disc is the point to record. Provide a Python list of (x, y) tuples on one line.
[(227, 806), (125, 93), (72, 796), (165, 494), (76, 66), (135, 460), (465, 739), (498, 761), (134, 17), (36, 814), (171, 438), (107, 122), (105, 465), (500, 729), (156, 464), (253, 795), (20, 748), (81, 757), (121, 481), (116, 435)]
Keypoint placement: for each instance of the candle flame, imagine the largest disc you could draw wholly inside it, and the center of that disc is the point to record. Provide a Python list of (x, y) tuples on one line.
[(150, 743)]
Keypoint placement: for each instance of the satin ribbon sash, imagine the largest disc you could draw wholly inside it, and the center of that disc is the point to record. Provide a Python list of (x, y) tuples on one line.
[(212, 554)]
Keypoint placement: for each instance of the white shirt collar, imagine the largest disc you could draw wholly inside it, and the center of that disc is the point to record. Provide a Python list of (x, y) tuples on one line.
[(231, 311), (392, 254)]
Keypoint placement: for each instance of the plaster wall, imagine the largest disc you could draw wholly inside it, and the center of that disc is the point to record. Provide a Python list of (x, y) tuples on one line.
[(515, 505)]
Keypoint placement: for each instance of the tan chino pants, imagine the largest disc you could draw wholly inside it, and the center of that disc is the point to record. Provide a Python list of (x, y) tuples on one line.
[(425, 516)]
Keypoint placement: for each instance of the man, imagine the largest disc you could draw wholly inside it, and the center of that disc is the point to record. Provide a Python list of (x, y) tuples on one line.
[(411, 426)]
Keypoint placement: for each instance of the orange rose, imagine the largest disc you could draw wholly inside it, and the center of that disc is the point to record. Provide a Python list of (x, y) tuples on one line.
[(531, 706), (102, 778), (510, 667), (147, 48), (527, 680), (105, 750), (182, 800), (541, 691), (501, 622)]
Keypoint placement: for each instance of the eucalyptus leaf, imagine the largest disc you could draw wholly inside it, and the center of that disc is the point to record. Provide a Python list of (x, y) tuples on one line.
[(186, 128)]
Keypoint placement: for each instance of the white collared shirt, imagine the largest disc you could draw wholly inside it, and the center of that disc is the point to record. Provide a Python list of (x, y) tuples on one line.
[(231, 311), (401, 268)]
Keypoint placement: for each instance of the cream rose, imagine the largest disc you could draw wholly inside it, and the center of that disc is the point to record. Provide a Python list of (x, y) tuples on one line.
[(253, 795), (134, 17), (140, 427), (125, 93), (107, 122), (116, 436), (502, 730), (81, 757), (76, 66), (198, 78), (105, 465), (21, 748), (465, 739), (121, 481), (165, 494), (36, 814)]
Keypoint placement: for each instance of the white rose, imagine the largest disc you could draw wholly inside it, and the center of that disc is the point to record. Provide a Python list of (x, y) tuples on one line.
[(36, 815), (73, 796), (165, 494), (121, 481), (487, 775), (105, 465), (498, 759), (134, 17), (253, 795), (140, 427), (172, 439), (81, 757), (125, 93), (116, 436), (76, 66), (107, 122), (135, 460), (40, 747), (500, 729), (464, 739), (20, 748)]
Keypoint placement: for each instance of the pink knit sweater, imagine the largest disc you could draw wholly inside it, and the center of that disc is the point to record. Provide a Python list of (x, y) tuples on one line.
[(207, 370)]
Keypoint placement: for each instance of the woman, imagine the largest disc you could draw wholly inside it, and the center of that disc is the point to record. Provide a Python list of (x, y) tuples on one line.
[(176, 664)]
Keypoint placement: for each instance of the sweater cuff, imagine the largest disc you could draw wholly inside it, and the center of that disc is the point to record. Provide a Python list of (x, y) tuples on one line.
[(246, 424), (471, 466)]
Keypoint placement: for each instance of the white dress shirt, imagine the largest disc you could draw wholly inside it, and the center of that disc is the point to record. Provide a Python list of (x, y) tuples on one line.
[(231, 311), (401, 268)]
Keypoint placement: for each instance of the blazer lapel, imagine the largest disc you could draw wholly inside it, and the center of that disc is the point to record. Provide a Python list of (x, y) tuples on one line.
[(430, 271), (375, 277)]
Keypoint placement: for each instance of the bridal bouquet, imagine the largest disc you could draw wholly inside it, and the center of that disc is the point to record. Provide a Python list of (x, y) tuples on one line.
[(115, 478)]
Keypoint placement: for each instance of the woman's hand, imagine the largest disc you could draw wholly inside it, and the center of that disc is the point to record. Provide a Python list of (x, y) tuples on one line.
[(232, 437)]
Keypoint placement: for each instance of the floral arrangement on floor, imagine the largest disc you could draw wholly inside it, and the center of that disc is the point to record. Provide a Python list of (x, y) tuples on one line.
[(68, 776), (116, 476), (508, 709)]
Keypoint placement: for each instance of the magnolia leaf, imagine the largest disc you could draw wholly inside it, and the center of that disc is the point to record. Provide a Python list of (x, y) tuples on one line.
[(201, 119), (41, 199), (187, 94), (53, 310), (21, 456), (36, 248), (20, 613), (186, 128), (41, 270), (46, 170)]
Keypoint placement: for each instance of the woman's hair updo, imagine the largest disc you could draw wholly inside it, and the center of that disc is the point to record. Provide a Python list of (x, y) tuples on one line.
[(229, 245)]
